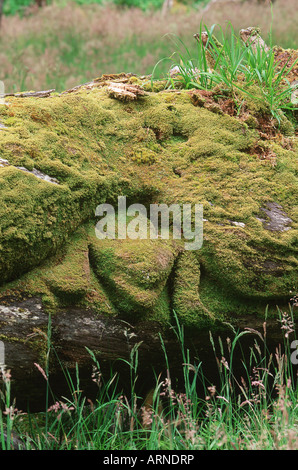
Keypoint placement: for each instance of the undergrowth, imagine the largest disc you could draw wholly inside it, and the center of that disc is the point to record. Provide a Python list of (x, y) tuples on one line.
[(257, 410), (65, 43), (234, 67)]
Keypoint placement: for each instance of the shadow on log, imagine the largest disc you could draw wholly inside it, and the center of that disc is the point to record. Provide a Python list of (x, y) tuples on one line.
[(24, 327), (23, 330)]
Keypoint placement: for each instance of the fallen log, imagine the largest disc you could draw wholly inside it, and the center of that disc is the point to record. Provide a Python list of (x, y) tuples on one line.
[(27, 330)]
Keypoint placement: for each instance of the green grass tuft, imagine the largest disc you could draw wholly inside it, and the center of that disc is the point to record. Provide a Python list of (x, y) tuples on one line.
[(256, 411)]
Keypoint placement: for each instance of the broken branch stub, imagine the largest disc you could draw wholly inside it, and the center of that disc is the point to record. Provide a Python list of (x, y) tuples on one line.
[(31, 94), (251, 37), (125, 92)]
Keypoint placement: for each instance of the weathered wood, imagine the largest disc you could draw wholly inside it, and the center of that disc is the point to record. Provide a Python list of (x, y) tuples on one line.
[(23, 322), (31, 94), (24, 326), (125, 92), (15, 442)]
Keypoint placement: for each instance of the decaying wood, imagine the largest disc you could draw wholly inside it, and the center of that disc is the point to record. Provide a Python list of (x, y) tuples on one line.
[(24, 326), (31, 94), (125, 91), (251, 37), (87, 85), (118, 87), (104, 80), (72, 330), (15, 442), (203, 36)]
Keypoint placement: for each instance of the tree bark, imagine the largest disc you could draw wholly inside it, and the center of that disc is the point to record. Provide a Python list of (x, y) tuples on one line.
[(32, 94), (24, 328)]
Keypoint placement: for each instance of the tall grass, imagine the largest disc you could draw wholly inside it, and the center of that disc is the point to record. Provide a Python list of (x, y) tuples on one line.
[(234, 67), (63, 45), (255, 410)]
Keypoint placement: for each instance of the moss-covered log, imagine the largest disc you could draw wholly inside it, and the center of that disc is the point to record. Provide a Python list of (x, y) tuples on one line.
[(63, 155), (33, 342)]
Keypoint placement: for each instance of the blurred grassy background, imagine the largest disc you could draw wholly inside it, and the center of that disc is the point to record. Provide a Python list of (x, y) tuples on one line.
[(66, 43)]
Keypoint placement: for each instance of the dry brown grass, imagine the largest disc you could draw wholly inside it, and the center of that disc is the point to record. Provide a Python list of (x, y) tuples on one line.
[(63, 46)]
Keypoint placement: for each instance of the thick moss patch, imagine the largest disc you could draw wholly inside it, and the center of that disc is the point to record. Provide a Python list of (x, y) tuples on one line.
[(135, 274), (161, 148), (186, 291)]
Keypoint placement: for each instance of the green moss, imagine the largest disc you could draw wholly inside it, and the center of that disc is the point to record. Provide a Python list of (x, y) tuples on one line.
[(135, 80), (70, 279), (253, 98), (186, 299), (286, 127), (145, 156), (159, 150), (156, 86), (134, 274)]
